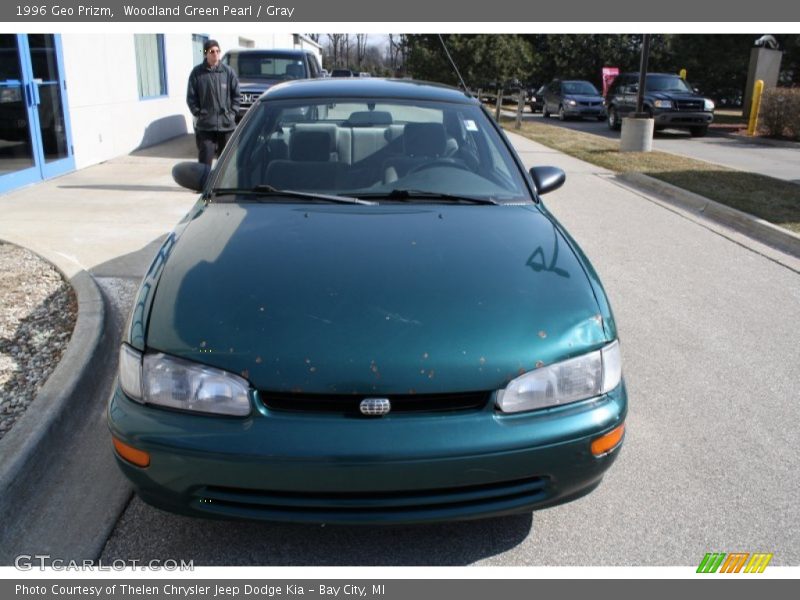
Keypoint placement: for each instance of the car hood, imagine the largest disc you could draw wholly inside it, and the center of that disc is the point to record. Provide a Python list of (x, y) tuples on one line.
[(256, 85), (674, 96), (584, 97), (374, 299)]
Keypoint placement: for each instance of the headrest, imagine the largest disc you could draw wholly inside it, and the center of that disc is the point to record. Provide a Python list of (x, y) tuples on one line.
[(310, 145), (295, 71), (424, 139), (366, 118)]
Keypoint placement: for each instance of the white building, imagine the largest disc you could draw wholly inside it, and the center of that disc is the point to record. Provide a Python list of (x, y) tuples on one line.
[(72, 100)]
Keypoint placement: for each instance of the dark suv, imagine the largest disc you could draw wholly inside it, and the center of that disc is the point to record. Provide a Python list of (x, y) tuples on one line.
[(258, 70), (667, 98)]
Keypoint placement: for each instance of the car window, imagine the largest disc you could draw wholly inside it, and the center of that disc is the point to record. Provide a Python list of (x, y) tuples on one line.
[(353, 147), (666, 83), (580, 87)]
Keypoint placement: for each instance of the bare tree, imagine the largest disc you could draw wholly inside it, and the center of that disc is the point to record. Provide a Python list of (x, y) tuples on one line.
[(361, 48)]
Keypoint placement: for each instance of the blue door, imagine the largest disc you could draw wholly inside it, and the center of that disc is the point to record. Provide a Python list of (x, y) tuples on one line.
[(35, 141)]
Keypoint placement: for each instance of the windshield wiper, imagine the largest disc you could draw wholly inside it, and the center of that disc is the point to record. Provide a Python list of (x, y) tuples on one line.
[(422, 195), (267, 191)]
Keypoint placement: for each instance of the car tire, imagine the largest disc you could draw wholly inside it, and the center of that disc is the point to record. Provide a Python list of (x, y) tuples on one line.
[(613, 119), (699, 131), (545, 112), (561, 114)]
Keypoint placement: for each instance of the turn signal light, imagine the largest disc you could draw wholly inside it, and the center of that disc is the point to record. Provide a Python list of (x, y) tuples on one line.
[(140, 458), (609, 441)]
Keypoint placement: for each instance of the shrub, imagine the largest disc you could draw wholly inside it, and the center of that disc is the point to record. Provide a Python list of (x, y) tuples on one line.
[(780, 112)]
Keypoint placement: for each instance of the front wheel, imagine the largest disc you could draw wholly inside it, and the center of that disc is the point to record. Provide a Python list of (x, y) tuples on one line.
[(613, 119), (699, 131), (561, 114), (545, 112)]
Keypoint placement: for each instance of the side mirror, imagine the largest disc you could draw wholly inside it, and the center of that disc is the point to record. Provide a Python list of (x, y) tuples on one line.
[(547, 179), (191, 175)]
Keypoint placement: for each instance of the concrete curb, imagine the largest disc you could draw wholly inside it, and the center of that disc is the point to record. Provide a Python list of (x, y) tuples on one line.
[(758, 229), (59, 399)]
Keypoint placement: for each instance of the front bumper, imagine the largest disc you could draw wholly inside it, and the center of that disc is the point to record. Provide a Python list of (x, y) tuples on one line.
[(583, 111), (683, 119), (282, 466)]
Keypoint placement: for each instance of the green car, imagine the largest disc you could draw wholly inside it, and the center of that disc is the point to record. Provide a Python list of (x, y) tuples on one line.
[(369, 317)]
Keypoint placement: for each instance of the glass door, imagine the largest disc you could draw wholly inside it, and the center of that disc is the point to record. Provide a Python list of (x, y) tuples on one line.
[(35, 140)]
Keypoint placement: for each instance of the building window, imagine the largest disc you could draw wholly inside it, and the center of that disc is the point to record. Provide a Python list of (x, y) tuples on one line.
[(198, 39), (150, 71)]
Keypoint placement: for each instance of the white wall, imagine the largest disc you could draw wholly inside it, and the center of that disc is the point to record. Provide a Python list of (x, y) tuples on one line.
[(107, 117)]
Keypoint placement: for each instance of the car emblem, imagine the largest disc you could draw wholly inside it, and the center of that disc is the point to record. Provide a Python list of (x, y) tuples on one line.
[(375, 407)]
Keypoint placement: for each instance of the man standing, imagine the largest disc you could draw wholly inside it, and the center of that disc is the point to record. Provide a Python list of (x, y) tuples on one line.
[(213, 99)]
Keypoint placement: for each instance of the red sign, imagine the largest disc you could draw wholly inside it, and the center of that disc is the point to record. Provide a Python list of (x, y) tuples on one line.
[(609, 75)]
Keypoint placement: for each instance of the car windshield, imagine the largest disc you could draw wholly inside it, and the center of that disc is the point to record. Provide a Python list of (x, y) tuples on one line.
[(382, 150), (668, 83), (267, 66), (580, 87)]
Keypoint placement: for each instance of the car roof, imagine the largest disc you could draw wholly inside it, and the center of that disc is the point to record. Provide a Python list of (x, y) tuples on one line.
[(367, 87)]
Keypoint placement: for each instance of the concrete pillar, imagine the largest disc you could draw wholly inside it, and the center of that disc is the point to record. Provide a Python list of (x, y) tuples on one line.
[(637, 135), (765, 64)]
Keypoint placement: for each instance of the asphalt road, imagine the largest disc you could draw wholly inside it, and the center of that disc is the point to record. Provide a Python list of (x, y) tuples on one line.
[(710, 463), (780, 161)]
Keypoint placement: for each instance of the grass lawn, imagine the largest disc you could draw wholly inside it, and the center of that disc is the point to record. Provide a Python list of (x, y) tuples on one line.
[(771, 199)]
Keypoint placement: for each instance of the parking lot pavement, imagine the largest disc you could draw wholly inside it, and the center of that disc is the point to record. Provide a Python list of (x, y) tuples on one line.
[(735, 152), (709, 462), (100, 213), (107, 220)]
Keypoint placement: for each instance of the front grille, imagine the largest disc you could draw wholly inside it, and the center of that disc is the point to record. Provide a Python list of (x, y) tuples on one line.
[(349, 404), (282, 504), (590, 103), (689, 104)]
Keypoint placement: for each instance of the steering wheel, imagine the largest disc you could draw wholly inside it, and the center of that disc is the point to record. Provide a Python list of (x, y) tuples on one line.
[(456, 163)]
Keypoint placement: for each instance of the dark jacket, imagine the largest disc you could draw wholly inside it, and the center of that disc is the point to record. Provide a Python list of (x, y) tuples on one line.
[(213, 97)]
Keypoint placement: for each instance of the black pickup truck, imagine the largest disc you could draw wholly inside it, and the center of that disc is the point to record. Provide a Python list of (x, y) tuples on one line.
[(667, 98)]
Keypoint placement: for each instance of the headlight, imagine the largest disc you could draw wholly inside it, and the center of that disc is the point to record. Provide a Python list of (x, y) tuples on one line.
[(708, 105), (168, 381), (663, 103), (575, 379), (572, 103)]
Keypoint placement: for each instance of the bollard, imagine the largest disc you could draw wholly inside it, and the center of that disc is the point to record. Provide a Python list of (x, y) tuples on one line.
[(499, 104), (637, 135), (758, 90)]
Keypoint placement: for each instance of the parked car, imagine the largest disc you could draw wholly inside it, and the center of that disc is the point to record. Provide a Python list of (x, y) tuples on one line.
[(667, 98), (325, 73), (364, 74), (368, 317), (258, 70), (342, 73), (572, 99), (536, 99)]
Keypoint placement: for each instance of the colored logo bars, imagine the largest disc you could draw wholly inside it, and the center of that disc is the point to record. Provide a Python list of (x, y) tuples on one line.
[(734, 563)]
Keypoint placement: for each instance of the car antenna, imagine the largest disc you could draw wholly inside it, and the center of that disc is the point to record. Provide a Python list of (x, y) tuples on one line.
[(452, 62)]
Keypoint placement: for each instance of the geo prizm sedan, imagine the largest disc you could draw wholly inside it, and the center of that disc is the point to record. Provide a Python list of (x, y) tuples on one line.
[(369, 316)]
